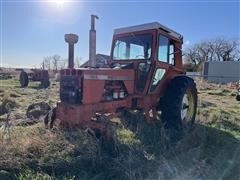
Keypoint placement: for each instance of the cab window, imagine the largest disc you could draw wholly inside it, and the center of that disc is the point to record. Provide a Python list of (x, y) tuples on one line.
[(166, 50), (157, 78), (172, 54), (163, 48), (121, 50), (133, 47)]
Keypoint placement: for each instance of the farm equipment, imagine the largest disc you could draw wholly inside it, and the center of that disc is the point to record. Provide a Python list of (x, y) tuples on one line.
[(145, 73), (4, 76), (35, 75)]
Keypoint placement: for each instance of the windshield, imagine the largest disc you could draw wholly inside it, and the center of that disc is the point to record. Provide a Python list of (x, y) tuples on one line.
[(133, 47)]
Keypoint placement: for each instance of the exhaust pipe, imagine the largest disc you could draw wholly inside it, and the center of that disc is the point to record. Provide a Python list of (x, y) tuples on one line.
[(71, 39), (92, 42)]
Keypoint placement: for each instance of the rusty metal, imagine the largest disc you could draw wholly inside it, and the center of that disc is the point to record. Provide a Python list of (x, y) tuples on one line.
[(34, 75), (92, 42), (71, 39)]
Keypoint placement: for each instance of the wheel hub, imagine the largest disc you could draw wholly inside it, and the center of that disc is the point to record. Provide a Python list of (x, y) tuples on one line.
[(187, 106)]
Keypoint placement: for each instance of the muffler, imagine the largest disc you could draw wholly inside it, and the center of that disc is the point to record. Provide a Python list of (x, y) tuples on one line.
[(92, 42)]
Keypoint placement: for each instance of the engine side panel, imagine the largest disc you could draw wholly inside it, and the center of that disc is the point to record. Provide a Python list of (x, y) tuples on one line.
[(95, 80)]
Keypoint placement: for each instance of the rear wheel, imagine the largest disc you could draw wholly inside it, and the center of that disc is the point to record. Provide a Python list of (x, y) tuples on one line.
[(179, 104), (24, 79)]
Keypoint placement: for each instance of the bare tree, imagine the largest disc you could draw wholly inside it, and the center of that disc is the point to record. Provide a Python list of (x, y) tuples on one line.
[(218, 49), (55, 62), (228, 50), (194, 55), (47, 62), (78, 62), (63, 63), (42, 65)]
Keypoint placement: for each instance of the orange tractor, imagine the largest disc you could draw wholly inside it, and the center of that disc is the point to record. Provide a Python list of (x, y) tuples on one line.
[(144, 73)]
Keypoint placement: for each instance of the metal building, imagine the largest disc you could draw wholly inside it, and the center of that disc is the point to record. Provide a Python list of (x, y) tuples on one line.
[(221, 72)]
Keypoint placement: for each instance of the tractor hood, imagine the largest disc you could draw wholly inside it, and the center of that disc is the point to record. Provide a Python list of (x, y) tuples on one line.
[(109, 74), (89, 85), (100, 73)]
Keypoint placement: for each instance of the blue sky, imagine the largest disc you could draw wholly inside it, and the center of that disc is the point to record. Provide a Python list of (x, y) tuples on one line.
[(31, 30)]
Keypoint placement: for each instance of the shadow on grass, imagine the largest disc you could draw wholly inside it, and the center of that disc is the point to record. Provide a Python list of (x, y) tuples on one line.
[(205, 152), (33, 86)]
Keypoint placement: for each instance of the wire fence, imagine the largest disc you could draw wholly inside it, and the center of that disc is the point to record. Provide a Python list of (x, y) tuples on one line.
[(206, 76), (218, 79)]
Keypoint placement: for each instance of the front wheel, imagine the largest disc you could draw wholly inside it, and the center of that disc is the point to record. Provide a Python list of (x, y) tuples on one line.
[(179, 104)]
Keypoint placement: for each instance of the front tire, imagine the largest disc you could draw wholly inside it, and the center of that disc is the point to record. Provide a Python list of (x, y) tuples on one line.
[(179, 104)]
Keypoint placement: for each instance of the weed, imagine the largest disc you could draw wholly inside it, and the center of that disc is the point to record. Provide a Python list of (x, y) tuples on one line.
[(28, 174), (7, 104), (216, 93), (33, 175), (14, 95)]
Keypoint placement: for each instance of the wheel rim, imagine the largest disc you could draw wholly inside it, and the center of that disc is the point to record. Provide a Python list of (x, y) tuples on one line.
[(187, 107)]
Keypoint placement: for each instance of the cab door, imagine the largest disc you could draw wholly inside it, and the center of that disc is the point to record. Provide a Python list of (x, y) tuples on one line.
[(142, 75), (165, 61), (138, 49), (144, 65)]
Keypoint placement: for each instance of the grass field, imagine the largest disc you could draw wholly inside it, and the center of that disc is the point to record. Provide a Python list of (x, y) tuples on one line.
[(143, 151)]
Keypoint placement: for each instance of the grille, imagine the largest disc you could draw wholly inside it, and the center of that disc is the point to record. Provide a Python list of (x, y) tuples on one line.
[(70, 91)]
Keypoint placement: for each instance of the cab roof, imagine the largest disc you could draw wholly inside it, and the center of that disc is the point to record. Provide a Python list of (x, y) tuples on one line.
[(148, 26)]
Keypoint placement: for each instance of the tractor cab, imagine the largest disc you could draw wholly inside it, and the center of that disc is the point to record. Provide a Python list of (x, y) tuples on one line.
[(150, 49)]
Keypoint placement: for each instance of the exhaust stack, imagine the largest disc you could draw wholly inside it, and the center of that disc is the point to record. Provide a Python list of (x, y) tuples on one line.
[(71, 39), (92, 42)]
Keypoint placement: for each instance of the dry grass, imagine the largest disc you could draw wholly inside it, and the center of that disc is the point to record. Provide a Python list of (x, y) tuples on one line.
[(218, 107), (24, 97), (37, 149), (143, 151)]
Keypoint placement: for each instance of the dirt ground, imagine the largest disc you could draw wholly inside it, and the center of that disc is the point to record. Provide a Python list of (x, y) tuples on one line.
[(142, 151)]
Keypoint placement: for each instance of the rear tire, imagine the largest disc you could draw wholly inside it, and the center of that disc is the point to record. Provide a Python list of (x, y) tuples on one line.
[(179, 104), (23, 79)]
